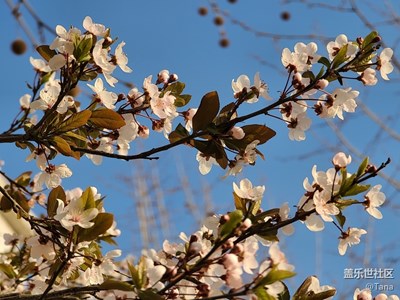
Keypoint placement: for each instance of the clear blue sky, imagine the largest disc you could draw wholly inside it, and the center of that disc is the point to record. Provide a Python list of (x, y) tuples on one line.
[(171, 35)]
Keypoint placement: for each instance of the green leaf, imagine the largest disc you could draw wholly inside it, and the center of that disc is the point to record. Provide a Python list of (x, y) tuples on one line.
[(341, 219), (179, 133), (87, 199), (309, 74), (52, 203), (46, 52), (61, 146), (175, 88), (322, 295), (235, 218), (257, 132), (262, 294), (8, 270), (220, 155), (343, 203), (82, 51), (207, 111), (362, 167), (320, 73), (88, 76), (182, 100), (284, 295), (323, 60), (73, 122), (24, 178), (107, 118), (138, 274), (357, 189), (102, 223), (275, 275), (269, 235), (240, 203), (268, 213), (224, 113), (110, 284), (340, 57), (368, 41)]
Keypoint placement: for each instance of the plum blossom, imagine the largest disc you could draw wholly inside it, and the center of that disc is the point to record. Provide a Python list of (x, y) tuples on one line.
[(121, 59), (164, 107), (341, 40), (247, 157), (298, 126), (57, 62), (315, 288), (284, 215), (349, 238), (248, 255), (374, 199), (294, 113), (205, 163), (233, 270), (48, 97), (364, 294), (247, 191), (383, 296), (127, 133), (105, 145), (188, 115), (310, 50), (39, 65), (107, 98), (325, 180), (154, 273), (75, 214), (295, 61), (41, 247), (64, 42), (243, 84), (51, 176), (94, 28), (330, 106), (323, 207), (101, 58), (278, 258), (384, 64), (368, 77)]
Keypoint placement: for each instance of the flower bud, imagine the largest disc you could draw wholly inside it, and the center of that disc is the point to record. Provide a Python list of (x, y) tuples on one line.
[(237, 133), (143, 131), (340, 160), (162, 77), (321, 84)]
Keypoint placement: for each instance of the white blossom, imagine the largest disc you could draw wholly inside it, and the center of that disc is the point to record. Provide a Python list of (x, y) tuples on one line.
[(247, 191), (384, 64), (349, 238), (374, 199), (75, 214)]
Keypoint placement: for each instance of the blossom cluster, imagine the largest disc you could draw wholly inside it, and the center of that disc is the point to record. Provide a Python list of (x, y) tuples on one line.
[(64, 247), (326, 196), (344, 56)]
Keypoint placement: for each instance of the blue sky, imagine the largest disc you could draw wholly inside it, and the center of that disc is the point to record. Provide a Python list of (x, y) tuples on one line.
[(171, 35)]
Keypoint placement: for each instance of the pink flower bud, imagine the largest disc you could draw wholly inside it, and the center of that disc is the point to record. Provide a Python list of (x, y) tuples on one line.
[(340, 160), (321, 84), (163, 77), (237, 133)]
